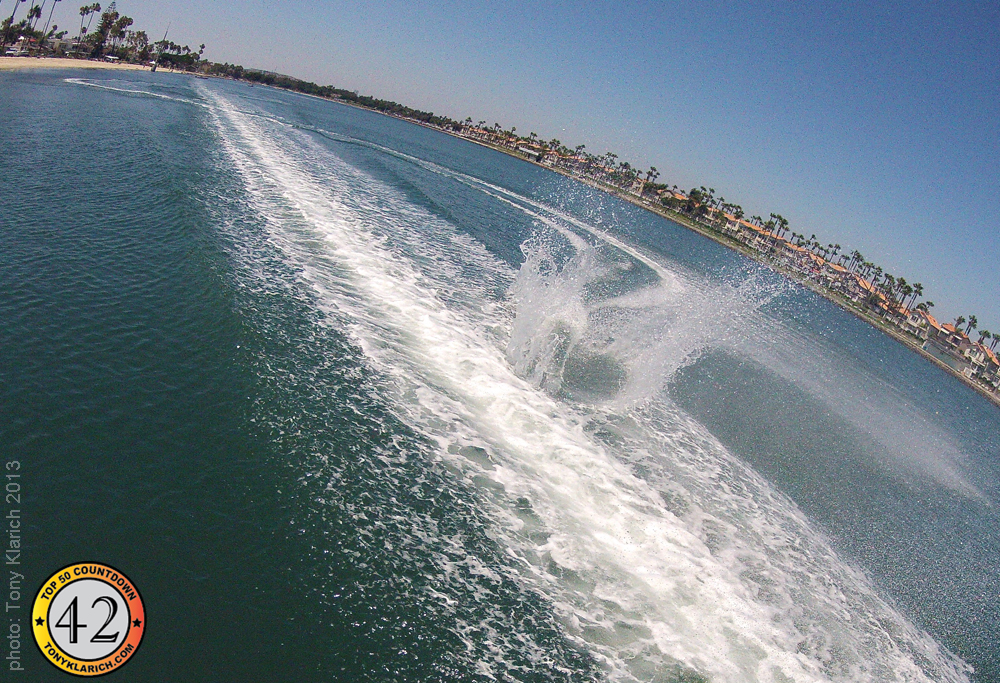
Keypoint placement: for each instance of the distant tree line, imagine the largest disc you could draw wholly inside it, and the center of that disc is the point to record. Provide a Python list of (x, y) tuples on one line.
[(238, 72)]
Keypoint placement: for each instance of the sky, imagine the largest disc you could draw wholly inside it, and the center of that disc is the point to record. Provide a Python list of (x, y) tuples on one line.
[(873, 125)]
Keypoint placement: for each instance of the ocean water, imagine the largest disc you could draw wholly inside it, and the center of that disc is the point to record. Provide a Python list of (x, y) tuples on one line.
[(352, 400)]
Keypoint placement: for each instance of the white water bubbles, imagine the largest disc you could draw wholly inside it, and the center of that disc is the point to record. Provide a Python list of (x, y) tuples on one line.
[(651, 565), (602, 326), (609, 325), (826, 608)]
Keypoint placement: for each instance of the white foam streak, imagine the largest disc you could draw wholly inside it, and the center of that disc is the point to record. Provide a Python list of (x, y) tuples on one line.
[(103, 85), (636, 582)]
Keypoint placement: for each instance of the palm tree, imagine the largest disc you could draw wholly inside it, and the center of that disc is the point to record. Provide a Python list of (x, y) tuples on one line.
[(918, 290), (10, 22), (984, 334), (890, 282), (119, 30), (973, 323), (94, 9), (85, 12), (904, 292), (49, 20), (138, 43), (876, 274), (34, 14)]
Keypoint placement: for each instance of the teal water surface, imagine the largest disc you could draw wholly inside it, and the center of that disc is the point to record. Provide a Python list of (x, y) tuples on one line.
[(349, 399)]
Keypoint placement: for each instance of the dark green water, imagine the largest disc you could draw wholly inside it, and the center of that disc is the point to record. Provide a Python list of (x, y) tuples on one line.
[(352, 400)]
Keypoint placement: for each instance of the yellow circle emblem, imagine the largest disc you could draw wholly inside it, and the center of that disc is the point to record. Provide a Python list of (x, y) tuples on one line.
[(88, 619)]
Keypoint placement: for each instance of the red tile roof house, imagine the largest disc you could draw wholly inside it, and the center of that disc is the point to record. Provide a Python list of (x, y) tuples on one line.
[(992, 374), (672, 200), (795, 256), (832, 275), (731, 226), (861, 290), (759, 239), (745, 231), (948, 345), (952, 339), (983, 363), (537, 152), (921, 324)]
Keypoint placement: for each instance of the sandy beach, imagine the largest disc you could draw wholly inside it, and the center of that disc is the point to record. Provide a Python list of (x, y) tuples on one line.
[(9, 63)]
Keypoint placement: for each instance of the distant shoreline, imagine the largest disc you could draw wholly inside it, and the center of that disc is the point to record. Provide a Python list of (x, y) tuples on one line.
[(14, 63)]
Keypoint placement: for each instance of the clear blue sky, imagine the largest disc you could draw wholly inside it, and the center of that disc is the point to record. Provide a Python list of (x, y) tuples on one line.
[(873, 125)]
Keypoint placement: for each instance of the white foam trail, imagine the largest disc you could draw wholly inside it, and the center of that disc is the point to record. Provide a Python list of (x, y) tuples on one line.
[(678, 321), (643, 582), (103, 85)]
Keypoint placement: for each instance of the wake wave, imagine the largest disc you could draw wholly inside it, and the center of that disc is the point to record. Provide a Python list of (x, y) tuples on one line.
[(106, 85), (635, 343), (662, 554)]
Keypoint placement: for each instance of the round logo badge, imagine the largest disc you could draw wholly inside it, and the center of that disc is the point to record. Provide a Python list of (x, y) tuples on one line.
[(88, 619)]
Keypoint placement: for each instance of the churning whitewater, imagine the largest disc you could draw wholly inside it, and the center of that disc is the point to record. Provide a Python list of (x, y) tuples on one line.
[(540, 389)]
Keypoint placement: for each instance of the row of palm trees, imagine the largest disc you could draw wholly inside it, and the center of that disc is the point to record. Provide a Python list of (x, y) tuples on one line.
[(112, 36), (702, 204), (11, 32), (971, 324), (897, 291)]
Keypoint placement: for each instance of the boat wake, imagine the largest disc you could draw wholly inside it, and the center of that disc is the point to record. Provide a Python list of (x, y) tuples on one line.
[(661, 554)]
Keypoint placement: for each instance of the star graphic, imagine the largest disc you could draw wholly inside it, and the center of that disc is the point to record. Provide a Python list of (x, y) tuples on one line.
[(136, 623), (39, 621)]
